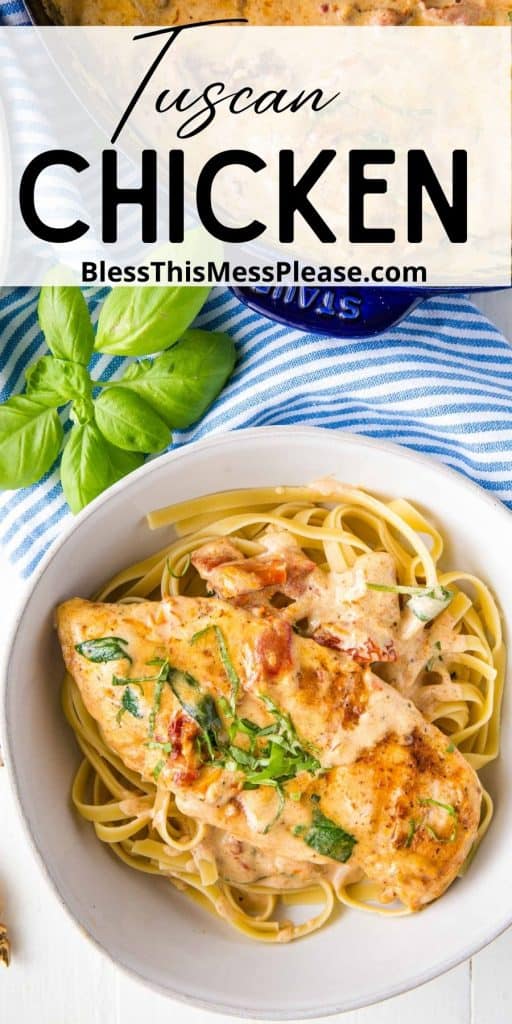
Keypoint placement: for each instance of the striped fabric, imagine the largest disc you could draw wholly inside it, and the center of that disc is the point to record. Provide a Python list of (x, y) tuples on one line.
[(13, 12), (440, 383)]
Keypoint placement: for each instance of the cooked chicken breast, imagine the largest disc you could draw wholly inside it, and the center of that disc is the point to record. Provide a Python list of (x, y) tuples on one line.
[(182, 691)]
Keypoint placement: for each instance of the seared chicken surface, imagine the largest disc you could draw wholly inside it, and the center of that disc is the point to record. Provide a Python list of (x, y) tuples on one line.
[(202, 693)]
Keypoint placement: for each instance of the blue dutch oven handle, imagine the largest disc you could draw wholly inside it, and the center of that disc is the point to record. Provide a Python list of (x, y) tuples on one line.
[(340, 312)]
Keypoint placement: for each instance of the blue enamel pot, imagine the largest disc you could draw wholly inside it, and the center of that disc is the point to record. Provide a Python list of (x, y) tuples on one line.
[(340, 312)]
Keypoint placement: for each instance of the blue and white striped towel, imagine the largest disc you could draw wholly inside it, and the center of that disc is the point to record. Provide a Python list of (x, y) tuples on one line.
[(440, 383), (13, 12)]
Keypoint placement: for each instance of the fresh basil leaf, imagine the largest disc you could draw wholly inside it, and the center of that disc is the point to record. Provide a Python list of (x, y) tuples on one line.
[(90, 464), (30, 439), (85, 467), (326, 837), (65, 323), (55, 382), (103, 648), (181, 384), (130, 703), (128, 422), (121, 462), (140, 321), (82, 410)]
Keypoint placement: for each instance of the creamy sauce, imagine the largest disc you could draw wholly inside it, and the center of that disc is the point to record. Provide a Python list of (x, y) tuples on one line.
[(242, 863)]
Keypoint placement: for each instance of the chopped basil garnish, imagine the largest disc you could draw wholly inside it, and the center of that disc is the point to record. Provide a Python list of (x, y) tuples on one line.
[(450, 809), (327, 838), (426, 603), (130, 703), (200, 707), (411, 833), (179, 575), (430, 604), (450, 748), (279, 811), (161, 679), (127, 680), (225, 658), (157, 745), (104, 648), (157, 769), (272, 755), (436, 656)]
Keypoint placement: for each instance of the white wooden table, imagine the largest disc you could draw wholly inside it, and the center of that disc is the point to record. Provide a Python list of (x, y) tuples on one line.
[(58, 977)]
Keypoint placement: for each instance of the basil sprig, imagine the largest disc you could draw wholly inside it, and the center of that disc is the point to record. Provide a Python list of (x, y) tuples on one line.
[(115, 423)]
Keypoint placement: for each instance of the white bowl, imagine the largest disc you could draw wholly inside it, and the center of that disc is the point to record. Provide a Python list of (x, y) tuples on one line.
[(143, 923)]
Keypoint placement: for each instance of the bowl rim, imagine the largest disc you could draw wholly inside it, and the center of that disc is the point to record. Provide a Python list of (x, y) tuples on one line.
[(487, 935)]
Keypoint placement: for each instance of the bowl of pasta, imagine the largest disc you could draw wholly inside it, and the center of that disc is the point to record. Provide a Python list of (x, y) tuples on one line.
[(264, 681)]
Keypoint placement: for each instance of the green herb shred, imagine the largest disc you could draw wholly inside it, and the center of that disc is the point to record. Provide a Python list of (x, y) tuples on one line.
[(179, 575), (411, 833), (225, 656), (426, 603), (130, 703), (270, 756), (104, 648), (157, 745), (450, 809), (201, 707), (327, 838), (161, 679)]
